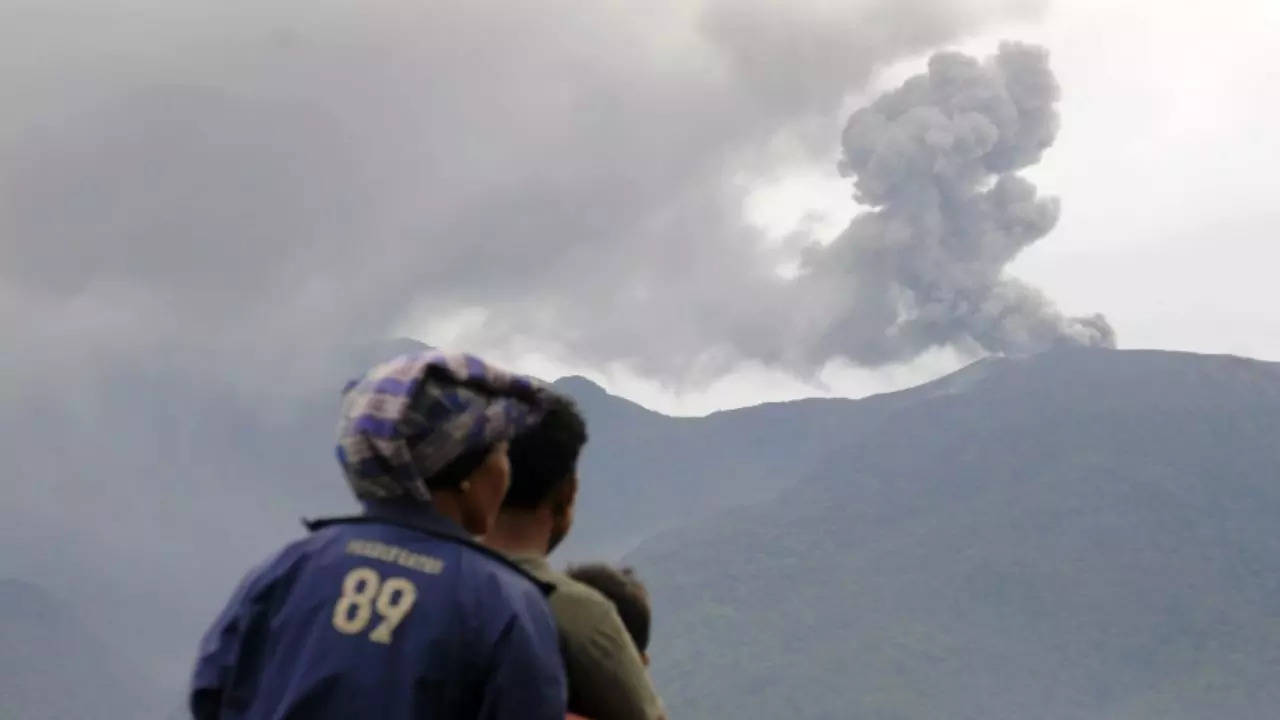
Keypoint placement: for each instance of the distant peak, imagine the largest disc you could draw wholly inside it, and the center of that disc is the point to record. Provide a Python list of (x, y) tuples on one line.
[(578, 385), (592, 398)]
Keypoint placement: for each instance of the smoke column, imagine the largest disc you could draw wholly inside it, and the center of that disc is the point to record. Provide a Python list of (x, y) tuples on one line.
[(936, 162)]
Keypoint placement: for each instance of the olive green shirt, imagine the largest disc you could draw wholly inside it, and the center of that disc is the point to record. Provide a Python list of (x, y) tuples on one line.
[(607, 678)]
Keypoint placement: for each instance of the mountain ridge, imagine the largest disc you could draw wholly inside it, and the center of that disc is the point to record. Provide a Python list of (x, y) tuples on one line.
[(190, 476), (1075, 535)]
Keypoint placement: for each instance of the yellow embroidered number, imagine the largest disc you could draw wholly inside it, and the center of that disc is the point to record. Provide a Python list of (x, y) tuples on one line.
[(393, 603), (354, 608), (363, 591)]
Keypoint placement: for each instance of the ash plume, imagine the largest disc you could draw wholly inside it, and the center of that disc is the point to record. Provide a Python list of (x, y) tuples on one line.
[(936, 161)]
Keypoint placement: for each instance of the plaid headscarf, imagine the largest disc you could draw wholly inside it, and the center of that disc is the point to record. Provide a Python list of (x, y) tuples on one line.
[(411, 416)]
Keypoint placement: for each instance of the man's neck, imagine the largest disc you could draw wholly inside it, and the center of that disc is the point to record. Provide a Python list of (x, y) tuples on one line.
[(447, 503), (520, 532)]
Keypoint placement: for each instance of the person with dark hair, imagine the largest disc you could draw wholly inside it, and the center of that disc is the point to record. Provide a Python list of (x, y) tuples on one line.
[(398, 612), (607, 677), (627, 594)]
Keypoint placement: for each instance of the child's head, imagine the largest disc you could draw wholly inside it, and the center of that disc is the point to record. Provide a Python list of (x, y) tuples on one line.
[(626, 592)]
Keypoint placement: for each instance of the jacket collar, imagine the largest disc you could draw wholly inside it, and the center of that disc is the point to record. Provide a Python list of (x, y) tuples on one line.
[(424, 518)]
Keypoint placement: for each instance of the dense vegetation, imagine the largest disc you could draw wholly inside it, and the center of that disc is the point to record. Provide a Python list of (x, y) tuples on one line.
[(1081, 534), (1078, 535)]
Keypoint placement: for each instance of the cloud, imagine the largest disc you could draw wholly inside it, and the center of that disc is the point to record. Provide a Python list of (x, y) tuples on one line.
[(204, 207), (295, 175), (936, 160)]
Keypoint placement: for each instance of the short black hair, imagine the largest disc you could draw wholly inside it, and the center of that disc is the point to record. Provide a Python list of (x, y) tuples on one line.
[(545, 455), (627, 593), (459, 469)]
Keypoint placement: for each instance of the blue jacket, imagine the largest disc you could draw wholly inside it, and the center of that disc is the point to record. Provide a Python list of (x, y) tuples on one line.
[(393, 614)]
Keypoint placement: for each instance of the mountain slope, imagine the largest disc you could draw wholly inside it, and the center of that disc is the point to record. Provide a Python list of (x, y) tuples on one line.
[(1080, 534), (642, 473), (942, 530), (53, 667), (159, 491)]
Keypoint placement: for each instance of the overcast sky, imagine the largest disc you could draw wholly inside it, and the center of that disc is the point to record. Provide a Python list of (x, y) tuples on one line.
[(637, 193), (206, 207), (1165, 166)]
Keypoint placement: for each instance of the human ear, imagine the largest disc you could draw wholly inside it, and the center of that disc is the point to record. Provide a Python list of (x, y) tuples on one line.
[(483, 491)]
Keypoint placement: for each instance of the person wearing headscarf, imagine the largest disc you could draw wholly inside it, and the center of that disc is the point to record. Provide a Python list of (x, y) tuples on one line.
[(398, 612)]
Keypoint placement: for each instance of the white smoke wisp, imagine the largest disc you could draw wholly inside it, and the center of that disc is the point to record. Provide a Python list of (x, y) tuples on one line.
[(936, 160)]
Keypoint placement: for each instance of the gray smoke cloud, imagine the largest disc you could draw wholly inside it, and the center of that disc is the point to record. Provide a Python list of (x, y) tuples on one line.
[(204, 205), (220, 185), (937, 159)]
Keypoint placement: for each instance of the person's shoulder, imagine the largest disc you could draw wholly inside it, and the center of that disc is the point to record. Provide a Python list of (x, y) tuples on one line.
[(580, 591), (606, 674), (501, 595), (578, 602), (501, 591), (278, 566), (460, 559), (504, 571), (266, 578)]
